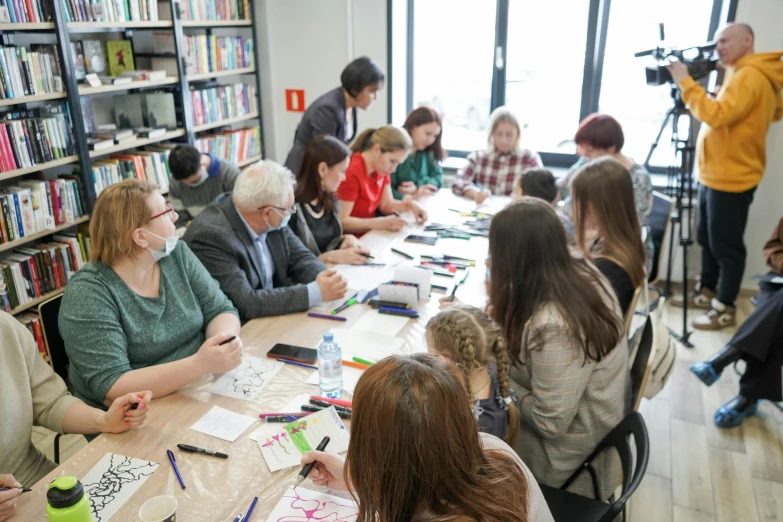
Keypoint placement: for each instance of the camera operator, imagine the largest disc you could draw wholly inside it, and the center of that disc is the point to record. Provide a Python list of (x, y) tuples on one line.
[(731, 152)]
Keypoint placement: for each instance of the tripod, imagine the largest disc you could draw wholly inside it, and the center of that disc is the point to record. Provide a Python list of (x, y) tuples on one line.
[(679, 186)]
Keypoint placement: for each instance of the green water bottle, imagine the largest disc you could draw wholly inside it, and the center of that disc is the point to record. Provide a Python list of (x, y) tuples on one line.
[(67, 501)]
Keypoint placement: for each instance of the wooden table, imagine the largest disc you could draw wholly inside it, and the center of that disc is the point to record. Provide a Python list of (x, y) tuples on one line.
[(220, 489)]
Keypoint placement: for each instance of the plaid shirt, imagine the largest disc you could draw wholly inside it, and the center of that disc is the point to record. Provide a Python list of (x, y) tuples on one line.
[(494, 171)]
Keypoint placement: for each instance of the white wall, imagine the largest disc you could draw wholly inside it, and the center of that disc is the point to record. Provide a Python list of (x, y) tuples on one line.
[(305, 44)]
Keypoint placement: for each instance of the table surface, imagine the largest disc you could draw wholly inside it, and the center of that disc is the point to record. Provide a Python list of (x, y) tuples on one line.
[(220, 489)]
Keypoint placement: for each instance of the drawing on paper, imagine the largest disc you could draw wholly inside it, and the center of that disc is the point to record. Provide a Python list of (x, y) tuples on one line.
[(247, 381), (304, 505), (112, 481)]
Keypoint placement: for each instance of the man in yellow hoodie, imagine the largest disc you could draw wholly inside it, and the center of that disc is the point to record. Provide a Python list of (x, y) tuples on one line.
[(731, 154)]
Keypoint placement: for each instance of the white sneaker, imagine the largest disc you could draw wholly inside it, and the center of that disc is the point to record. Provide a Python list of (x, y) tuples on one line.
[(719, 316)]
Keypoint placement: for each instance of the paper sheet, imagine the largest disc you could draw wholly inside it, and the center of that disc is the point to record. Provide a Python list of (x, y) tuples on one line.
[(305, 505), (267, 429), (112, 481), (365, 277), (367, 345), (285, 448), (247, 381), (223, 424), (374, 322), (350, 378)]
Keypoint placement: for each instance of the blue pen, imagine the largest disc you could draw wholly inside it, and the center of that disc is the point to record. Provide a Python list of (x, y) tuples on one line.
[(176, 469), (250, 509), (296, 363), (239, 518)]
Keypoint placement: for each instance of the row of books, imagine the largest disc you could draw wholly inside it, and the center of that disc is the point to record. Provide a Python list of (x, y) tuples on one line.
[(151, 165), (204, 54), (29, 138), (33, 323), (215, 10), (218, 103), (232, 145), (31, 272), (111, 10), (27, 11), (89, 57), (36, 205), (27, 73)]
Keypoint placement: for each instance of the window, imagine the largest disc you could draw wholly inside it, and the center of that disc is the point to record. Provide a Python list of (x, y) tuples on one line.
[(552, 63)]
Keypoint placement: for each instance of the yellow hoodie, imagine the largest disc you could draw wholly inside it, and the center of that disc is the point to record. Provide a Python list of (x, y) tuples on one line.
[(732, 146)]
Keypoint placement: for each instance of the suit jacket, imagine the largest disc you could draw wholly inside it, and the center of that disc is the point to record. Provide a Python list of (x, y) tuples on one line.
[(326, 115), (219, 238)]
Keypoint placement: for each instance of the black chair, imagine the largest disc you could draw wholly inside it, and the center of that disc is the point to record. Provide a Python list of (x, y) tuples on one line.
[(49, 312), (642, 364), (570, 507), (659, 223)]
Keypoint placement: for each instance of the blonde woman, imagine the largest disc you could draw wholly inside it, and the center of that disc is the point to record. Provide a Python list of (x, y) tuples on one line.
[(144, 313), (367, 186), (493, 170)]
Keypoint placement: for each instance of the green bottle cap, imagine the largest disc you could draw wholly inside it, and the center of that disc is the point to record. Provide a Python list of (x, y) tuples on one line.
[(63, 483), (64, 492)]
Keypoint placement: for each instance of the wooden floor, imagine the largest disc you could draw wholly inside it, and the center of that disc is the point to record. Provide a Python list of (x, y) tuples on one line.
[(698, 472)]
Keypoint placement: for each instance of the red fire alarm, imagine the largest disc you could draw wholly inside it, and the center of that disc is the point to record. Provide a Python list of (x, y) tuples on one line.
[(294, 100)]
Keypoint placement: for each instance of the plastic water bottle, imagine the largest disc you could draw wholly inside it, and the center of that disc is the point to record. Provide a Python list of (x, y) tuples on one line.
[(330, 367)]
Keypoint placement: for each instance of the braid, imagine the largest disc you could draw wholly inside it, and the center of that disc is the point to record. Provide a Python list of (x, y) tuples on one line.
[(501, 357), (467, 354)]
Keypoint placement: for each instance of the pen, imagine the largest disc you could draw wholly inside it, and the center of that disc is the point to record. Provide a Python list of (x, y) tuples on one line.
[(403, 254), (374, 264), (357, 365), (472, 262), (24, 490), (363, 361), (324, 404), (327, 316), (228, 340), (176, 469), (193, 449), (366, 255), (398, 311), (297, 363), (337, 402), (251, 508), (313, 409), (309, 467), (396, 213), (297, 415), (285, 418), (349, 302), (454, 291), (239, 518)]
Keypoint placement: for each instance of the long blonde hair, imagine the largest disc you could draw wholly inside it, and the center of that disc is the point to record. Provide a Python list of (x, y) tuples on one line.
[(389, 138), (504, 115), (468, 336)]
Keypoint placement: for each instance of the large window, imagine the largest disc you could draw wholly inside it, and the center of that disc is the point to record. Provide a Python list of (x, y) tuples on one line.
[(552, 62)]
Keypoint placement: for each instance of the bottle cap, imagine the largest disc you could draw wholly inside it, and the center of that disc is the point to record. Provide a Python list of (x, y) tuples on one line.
[(64, 492), (328, 337)]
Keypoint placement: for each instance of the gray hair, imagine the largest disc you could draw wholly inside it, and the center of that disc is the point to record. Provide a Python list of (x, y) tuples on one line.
[(263, 184)]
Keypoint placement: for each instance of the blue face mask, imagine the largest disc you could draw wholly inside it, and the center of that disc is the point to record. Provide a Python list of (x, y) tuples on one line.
[(204, 178), (283, 223)]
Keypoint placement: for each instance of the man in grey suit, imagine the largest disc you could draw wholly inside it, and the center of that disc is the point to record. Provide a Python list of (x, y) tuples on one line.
[(244, 242)]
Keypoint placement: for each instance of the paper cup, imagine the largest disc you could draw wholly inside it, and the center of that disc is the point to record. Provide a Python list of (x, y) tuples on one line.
[(159, 509)]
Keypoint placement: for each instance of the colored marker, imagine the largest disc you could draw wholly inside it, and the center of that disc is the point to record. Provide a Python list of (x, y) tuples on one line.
[(357, 365), (374, 264), (251, 508), (337, 402), (309, 467), (314, 409), (326, 316), (349, 302), (176, 469), (193, 449), (324, 404), (439, 287), (388, 310), (228, 340), (278, 414), (363, 361), (403, 254), (297, 363), (454, 291)]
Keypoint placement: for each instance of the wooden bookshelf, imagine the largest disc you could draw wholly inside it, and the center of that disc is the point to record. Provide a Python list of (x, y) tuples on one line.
[(216, 23), (137, 143), (38, 167), (77, 26), (220, 74), (85, 90), (249, 161), (221, 123), (36, 302), (38, 235), (30, 99), (37, 26)]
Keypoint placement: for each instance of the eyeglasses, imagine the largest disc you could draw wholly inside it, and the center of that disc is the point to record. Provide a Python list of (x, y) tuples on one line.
[(169, 208), (291, 210)]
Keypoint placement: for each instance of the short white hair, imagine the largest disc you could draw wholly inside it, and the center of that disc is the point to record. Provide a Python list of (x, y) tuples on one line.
[(263, 184)]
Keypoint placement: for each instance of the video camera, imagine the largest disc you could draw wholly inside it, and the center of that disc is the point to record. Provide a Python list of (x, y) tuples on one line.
[(699, 61)]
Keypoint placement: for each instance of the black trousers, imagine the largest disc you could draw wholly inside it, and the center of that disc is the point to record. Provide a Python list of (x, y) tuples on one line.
[(760, 339), (722, 220)]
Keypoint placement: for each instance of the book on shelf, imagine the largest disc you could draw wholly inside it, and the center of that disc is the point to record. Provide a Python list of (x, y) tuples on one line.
[(116, 136), (149, 165), (94, 57), (110, 10), (33, 137), (231, 145), (150, 132), (26, 72), (213, 104), (32, 322), (128, 112), (22, 11), (153, 110), (119, 54), (98, 144), (205, 53), (216, 10), (77, 57)]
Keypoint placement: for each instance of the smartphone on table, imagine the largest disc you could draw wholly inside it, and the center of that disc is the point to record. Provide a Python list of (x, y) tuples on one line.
[(293, 353)]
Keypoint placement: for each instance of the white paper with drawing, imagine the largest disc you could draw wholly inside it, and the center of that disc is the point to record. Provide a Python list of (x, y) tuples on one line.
[(285, 448), (267, 429), (306, 505), (246, 381), (112, 481), (223, 424)]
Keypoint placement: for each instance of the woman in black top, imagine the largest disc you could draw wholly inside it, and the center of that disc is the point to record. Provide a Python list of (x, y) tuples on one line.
[(334, 113), (607, 226), (317, 218)]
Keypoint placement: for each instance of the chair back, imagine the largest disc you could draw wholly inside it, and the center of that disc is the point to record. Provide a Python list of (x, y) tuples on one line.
[(49, 312), (642, 364), (659, 222), (632, 308)]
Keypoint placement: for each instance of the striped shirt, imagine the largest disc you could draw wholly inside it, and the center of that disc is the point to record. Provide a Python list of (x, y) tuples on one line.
[(193, 199), (494, 171)]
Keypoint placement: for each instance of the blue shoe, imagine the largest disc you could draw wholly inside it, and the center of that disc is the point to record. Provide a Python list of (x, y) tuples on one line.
[(705, 372), (726, 417)]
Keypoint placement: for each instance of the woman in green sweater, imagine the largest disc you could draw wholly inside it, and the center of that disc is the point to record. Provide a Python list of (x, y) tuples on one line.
[(143, 315), (420, 174)]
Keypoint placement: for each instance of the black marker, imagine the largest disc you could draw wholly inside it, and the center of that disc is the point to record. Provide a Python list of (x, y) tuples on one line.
[(24, 490), (396, 213), (403, 254), (193, 449), (228, 340), (309, 467)]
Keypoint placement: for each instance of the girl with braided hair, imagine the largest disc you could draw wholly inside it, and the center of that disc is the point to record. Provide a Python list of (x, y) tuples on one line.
[(471, 340)]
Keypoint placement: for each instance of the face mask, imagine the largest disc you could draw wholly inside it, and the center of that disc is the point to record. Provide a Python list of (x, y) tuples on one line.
[(283, 223), (204, 178), (171, 242)]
